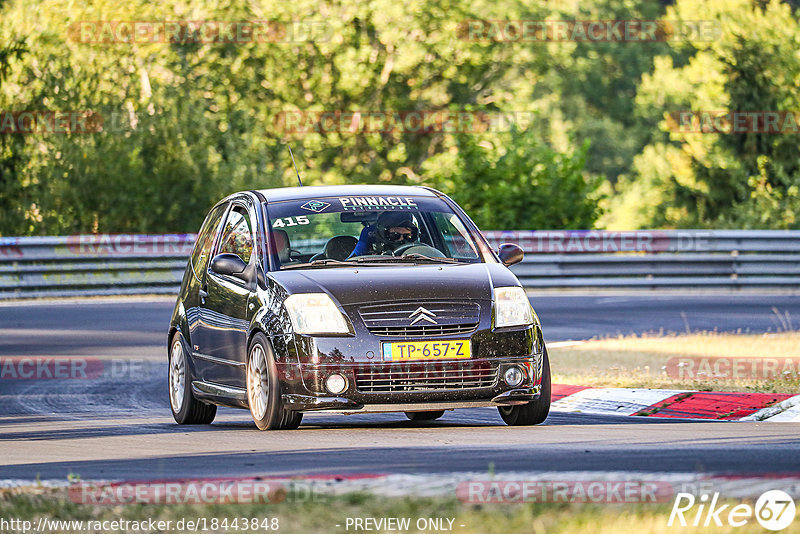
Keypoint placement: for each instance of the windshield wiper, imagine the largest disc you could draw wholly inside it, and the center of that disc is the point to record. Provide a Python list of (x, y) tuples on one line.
[(404, 259), (423, 257), (376, 259), (319, 263)]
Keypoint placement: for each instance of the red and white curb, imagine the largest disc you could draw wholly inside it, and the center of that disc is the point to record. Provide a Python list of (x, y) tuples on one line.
[(677, 404), (783, 411)]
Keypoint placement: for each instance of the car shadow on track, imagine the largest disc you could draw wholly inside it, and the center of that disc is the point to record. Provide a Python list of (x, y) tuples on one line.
[(474, 417), (315, 422)]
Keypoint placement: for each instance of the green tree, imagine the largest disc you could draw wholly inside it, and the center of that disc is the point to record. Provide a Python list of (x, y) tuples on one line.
[(738, 179), (593, 85), (10, 147), (516, 181), (186, 123)]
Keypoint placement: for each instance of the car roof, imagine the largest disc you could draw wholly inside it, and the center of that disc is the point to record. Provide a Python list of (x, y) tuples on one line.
[(322, 191)]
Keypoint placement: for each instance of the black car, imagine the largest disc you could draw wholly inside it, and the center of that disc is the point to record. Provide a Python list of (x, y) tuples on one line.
[(352, 299)]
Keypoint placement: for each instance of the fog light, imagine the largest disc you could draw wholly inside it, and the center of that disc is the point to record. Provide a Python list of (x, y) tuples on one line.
[(513, 376), (336, 383)]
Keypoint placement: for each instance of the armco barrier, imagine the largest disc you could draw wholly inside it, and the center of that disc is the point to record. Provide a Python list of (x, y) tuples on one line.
[(656, 258), (141, 264), (101, 264)]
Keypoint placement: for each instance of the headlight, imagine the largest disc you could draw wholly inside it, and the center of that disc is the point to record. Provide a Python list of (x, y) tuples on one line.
[(315, 313), (511, 307)]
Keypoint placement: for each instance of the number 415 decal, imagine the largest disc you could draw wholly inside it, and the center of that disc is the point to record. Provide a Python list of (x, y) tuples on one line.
[(290, 221)]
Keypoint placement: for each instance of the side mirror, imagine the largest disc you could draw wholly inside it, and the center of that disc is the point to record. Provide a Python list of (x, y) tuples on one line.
[(510, 254), (228, 264)]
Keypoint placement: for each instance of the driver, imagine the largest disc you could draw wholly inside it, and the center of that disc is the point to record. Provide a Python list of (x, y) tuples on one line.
[(392, 230)]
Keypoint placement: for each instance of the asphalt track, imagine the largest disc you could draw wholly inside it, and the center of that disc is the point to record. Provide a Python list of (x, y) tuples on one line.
[(119, 427)]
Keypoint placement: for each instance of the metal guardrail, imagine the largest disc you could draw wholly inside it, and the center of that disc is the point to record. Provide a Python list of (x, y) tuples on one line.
[(657, 258), (144, 264), (86, 265)]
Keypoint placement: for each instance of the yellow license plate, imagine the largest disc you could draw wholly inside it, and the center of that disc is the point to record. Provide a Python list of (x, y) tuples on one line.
[(405, 351)]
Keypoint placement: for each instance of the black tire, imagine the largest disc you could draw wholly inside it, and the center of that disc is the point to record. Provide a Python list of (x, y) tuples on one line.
[(188, 410), (264, 389), (424, 416), (532, 413)]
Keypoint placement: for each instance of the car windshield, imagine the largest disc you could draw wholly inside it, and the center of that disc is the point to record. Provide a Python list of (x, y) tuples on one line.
[(330, 232)]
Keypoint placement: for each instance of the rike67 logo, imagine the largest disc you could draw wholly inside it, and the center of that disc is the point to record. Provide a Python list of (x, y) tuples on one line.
[(774, 510)]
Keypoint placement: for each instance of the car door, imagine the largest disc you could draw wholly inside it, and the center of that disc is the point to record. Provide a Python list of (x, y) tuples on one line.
[(201, 255), (221, 339)]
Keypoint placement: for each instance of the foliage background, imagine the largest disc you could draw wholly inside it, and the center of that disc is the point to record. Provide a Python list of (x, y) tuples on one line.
[(195, 122)]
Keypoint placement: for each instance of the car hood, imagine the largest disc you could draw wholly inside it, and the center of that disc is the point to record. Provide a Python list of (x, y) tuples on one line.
[(357, 285)]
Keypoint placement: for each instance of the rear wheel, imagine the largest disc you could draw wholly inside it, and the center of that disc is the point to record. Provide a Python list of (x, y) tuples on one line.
[(424, 416), (535, 412), (264, 389), (186, 409)]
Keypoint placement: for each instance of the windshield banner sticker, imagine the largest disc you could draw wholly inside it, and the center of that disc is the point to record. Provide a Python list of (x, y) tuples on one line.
[(315, 205), (371, 203)]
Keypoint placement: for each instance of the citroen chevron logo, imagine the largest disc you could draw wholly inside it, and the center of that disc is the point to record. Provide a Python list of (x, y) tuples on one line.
[(421, 314)]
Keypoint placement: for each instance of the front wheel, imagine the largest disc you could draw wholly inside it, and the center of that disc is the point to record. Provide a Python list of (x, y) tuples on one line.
[(264, 389), (186, 409), (535, 412)]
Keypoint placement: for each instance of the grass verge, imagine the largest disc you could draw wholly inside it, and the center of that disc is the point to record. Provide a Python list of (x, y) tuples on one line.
[(654, 362), (324, 515)]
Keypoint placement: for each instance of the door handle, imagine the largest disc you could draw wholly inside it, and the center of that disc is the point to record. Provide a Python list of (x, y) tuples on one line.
[(203, 294)]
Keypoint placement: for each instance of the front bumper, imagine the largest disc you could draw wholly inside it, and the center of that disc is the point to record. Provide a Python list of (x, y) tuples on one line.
[(309, 403), (377, 385), (417, 386)]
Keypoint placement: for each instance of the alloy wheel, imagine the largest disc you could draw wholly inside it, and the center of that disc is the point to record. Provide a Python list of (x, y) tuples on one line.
[(257, 382), (177, 376)]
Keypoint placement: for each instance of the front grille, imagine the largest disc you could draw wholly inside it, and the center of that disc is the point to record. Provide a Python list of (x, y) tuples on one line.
[(427, 330), (427, 376), (445, 318)]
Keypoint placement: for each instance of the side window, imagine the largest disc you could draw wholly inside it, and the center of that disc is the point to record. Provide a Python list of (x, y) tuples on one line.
[(205, 240), (237, 234), (455, 236)]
